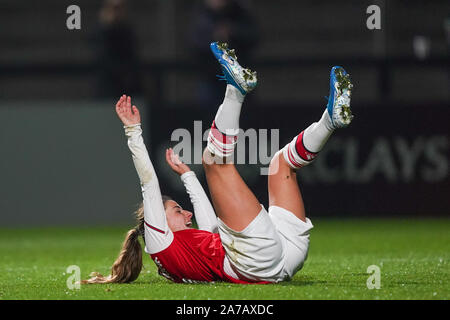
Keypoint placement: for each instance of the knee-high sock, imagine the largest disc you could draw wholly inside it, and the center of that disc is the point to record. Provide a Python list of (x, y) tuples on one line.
[(303, 149), (222, 138)]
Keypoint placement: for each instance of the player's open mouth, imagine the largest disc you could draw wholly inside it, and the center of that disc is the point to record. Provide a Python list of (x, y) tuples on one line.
[(188, 224)]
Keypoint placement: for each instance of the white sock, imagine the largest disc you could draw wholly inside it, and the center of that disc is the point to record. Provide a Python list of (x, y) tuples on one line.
[(222, 138), (317, 134), (227, 117), (303, 149)]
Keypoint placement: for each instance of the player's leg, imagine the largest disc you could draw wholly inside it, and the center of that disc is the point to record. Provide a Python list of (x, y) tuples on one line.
[(234, 202), (283, 188)]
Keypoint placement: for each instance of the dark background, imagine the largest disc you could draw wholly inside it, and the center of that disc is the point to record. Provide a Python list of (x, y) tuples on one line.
[(64, 158)]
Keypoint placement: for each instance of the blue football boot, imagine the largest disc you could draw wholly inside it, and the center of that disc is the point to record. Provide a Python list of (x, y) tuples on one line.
[(243, 79), (339, 100)]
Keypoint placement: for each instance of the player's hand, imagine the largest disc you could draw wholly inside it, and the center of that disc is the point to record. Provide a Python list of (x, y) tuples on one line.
[(175, 163), (129, 115)]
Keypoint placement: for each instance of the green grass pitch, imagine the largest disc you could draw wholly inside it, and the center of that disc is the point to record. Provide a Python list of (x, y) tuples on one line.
[(412, 254)]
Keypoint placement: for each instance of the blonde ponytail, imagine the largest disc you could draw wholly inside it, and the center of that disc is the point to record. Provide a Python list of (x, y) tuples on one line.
[(128, 264)]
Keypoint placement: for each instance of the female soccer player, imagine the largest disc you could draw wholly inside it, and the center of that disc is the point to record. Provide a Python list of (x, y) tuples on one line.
[(244, 243)]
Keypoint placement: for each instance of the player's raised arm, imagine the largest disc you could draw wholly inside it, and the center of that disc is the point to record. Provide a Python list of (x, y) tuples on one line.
[(131, 119), (158, 235), (203, 210)]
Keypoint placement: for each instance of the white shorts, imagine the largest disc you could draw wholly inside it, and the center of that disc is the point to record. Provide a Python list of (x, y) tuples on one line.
[(273, 247)]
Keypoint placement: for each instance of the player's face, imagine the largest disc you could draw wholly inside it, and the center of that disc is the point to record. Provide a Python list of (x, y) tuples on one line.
[(177, 218)]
